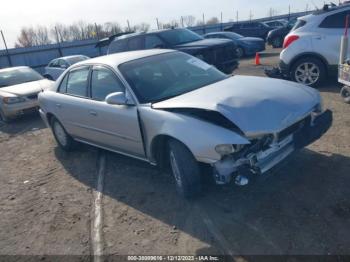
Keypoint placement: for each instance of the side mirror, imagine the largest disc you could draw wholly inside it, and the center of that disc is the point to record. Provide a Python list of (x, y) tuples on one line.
[(117, 98)]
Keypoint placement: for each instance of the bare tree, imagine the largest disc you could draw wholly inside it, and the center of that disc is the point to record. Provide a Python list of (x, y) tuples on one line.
[(213, 21), (111, 28), (142, 27), (189, 20), (30, 36)]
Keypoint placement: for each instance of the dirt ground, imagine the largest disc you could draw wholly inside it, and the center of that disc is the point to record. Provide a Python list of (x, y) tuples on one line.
[(46, 199)]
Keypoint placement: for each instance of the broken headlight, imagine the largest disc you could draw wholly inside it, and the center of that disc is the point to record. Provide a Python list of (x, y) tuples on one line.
[(226, 149)]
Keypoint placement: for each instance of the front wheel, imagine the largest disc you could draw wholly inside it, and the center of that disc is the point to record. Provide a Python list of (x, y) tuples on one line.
[(240, 52), (277, 42), (63, 139), (345, 94), (185, 170), (309, 71)]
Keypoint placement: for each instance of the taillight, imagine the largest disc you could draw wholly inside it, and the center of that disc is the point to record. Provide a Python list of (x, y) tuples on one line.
[(289, 39)]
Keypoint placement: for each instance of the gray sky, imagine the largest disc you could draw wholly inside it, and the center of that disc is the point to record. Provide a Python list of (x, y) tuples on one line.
[(17, 13)]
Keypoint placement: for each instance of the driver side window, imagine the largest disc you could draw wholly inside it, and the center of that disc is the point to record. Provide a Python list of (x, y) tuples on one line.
[(103, 83)]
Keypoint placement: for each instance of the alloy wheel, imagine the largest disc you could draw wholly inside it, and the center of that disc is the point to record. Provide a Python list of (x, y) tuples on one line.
[(60, 134), (307, 73)]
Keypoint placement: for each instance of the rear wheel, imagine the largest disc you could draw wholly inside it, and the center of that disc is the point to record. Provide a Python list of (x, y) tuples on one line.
[(185, 170), (63, 139), (345, 93), (277, 42), (48, 77), (309, 71)]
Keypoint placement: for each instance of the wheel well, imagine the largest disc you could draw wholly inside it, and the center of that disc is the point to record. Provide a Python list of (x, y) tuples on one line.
[(49, 117), (159, 149), (309, 55)]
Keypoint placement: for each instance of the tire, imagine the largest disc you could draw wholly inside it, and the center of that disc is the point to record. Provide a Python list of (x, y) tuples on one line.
[(3, 118), (185, 170), (63, 139), (277, 42), (309, 71), (345, 94), (48, 77), (240, 52)]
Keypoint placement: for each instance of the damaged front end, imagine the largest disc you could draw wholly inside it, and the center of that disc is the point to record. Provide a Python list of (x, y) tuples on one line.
[(265, 152)]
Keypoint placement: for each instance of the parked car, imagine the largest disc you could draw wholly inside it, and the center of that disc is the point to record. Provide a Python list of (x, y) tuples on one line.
[(276, 36), (165, 106), (311, 49), (19, 88), (252, 29), (245, 45), (276, 23), (57, 66), (217, 52)]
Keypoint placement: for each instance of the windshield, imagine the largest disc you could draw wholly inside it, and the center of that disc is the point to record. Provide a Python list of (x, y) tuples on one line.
[(180, 36), (168, 75), (18, 76), (76, 59)]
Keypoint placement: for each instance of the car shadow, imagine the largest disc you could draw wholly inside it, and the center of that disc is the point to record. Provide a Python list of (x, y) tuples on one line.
[(303, 207), (22, 124)]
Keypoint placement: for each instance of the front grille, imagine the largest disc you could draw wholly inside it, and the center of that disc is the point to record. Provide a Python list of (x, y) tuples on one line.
[(293, 128), (32, 96)]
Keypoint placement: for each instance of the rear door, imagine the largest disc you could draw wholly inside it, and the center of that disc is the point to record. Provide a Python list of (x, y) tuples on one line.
[(71, 106), (328, 37)]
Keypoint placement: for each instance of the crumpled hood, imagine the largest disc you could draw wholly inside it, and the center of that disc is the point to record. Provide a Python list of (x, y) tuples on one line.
[(27, 88), (203, 43), (256, 105)]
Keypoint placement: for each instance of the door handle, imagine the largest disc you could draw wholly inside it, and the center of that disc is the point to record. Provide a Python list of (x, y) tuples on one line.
[(58, 105), (93, 113)]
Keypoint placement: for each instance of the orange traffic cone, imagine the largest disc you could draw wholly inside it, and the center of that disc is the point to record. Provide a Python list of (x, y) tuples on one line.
[(257, 59)]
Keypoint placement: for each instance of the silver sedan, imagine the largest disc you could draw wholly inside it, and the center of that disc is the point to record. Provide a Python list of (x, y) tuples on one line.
[(169, 108), (19, 88)]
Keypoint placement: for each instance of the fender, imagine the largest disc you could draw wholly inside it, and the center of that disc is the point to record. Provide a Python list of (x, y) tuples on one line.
[(199, 136)]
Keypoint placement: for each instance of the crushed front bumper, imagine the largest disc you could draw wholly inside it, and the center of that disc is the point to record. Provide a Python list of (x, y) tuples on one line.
[(264, 160)]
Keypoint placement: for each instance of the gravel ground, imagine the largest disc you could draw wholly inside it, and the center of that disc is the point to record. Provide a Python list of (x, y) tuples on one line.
[(46, 199)]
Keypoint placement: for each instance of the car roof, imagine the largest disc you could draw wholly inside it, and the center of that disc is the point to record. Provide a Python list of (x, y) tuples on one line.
[(67, 57), (114, 60), (125, 36), (7, 69)]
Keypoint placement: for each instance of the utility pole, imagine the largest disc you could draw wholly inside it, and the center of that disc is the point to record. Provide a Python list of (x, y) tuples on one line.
[(182, 21), (98, 38), (127, 21), (7, 51), (58, 42), (221, 21), (288, 12), (203, 19), (237, 16), (157, 23), (250, 15)]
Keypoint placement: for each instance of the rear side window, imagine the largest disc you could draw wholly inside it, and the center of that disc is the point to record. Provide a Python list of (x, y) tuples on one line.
[(135, 43), (153, 41), (335, 21), (298, 24), (78, 81), (63, 86), (117, 46), (103, 83)]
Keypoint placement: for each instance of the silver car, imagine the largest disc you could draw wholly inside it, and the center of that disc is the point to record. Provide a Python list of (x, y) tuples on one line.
[(57, 66), (19, 88), (165, 106)]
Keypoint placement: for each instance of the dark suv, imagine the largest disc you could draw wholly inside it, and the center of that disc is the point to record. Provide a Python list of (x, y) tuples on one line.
[(220, 53), (253, 29)]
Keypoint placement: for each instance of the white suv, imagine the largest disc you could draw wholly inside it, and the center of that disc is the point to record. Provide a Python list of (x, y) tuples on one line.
[(311, 49)]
